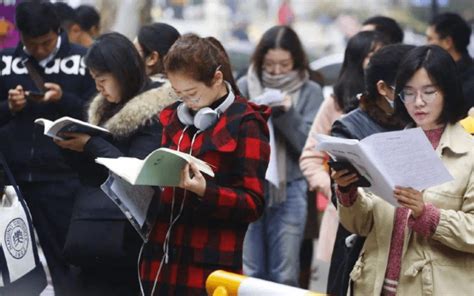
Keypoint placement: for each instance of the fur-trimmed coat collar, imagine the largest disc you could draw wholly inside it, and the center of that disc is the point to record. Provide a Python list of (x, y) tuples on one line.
[(136, 113)]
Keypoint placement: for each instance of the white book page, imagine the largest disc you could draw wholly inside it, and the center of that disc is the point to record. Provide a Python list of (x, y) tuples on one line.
[(66, 123), (56, 127), (271, 175), (133, 201), (407, 158), (47, 127), (45, 122), (351, 150), (126, 167), (201, 165)]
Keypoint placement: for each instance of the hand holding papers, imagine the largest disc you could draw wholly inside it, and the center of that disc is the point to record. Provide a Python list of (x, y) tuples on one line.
[(401, 158), (270, 97)]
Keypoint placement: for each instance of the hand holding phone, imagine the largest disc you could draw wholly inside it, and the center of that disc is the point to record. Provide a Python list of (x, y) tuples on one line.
[(16, 99), (345, 165), (35, 96)]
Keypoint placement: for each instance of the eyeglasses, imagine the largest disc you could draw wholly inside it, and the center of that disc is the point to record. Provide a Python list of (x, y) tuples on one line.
[(408, 96)]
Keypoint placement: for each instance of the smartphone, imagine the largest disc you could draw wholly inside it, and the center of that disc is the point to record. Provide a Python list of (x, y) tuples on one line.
[(35, 96), (37, 78), (341, 165)]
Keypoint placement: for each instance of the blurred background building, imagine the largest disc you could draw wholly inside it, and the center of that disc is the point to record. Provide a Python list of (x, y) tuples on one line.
[(323, 25)]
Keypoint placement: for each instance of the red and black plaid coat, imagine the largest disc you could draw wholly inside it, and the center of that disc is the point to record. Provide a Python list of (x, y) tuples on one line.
[(210, 232)]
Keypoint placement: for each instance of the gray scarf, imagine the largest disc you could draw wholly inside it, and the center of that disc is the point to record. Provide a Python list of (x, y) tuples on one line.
[(290, 82)]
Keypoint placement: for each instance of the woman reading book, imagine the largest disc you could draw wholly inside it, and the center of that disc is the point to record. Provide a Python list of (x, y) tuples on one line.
[(202, 223), (375, 114), (424, 246), (126, 106)]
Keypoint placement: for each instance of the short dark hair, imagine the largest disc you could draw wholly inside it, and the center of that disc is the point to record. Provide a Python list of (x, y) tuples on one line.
[(282, 37), (383, 65), (157, 37), (452, 25), (115, 54), (35, 19), (442, 71), (66, 14), (388, 27), (87, 17), (350, 81)]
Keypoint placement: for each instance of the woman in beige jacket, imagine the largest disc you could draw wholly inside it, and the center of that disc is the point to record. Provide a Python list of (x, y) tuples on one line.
[(426, 245)]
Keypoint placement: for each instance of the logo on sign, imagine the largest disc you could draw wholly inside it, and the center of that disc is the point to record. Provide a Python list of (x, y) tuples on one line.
[(16, 238)]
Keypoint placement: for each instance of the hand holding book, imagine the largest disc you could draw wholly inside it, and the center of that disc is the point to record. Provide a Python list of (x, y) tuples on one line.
[(72, 141), (192, 179), (346, 175), (398, 158)]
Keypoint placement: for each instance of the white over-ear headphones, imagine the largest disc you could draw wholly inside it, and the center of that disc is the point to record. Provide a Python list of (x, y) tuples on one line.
[(205, 117)]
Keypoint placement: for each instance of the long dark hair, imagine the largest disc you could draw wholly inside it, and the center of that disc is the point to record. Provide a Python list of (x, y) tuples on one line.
[(351, 77), (442, 71), (113, 53), (282, 37), (199, 58)]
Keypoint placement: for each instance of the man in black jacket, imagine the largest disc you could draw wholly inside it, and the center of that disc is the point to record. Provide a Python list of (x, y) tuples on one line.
[(44, 76), (453, 34)]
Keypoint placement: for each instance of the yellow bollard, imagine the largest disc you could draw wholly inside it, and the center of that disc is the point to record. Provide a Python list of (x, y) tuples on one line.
[(230, 282), (223, 283), (220, 291)]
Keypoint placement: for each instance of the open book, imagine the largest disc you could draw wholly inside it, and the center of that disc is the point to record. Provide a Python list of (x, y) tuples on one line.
[(400, 158), (69, 124), (137, 203), (161, 167)]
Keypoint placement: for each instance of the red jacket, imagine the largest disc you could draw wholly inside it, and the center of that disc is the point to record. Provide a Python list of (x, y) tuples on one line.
[(210, 232)]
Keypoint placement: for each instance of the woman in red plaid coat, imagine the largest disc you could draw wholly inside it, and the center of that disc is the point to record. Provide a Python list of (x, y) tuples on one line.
[(202, 224)]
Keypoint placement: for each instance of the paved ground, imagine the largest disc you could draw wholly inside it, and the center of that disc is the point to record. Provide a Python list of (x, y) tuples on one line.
[(318, 277)]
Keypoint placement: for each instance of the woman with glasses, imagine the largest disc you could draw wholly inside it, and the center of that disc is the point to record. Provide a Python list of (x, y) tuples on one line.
[(375, 114), (201, 224), (279, 77), (426, 244)]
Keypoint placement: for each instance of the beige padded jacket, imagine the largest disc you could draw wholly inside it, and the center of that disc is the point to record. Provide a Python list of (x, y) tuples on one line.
[(440, 265)]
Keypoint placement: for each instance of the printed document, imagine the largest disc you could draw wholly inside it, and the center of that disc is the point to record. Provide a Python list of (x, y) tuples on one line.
[(399, 158), (136, 202)]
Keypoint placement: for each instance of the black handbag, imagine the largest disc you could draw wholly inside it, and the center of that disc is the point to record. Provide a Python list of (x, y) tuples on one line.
[(99, 234), (21, 272)]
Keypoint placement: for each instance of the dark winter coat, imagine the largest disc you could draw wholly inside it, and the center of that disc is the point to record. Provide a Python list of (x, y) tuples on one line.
[(32, 156), (369, 118), (135, 132)]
